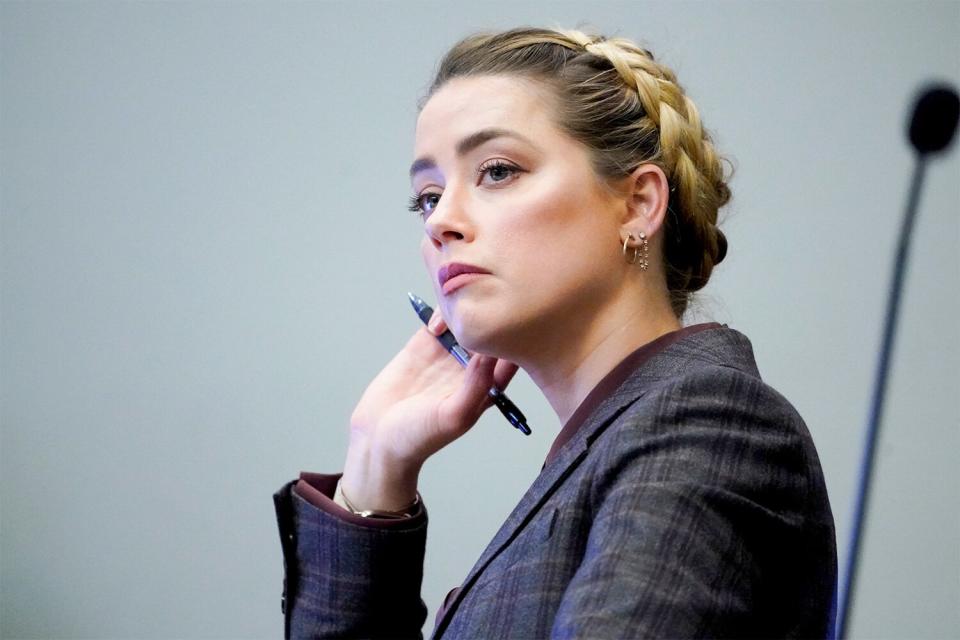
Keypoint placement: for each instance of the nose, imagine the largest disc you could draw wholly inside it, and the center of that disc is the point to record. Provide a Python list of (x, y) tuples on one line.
[(449, 221)]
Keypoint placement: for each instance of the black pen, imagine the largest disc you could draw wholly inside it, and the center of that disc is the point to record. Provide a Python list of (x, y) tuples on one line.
[(449, 342)]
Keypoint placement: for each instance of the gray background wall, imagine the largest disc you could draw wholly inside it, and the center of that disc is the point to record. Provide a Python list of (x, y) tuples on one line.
[(205, 255)]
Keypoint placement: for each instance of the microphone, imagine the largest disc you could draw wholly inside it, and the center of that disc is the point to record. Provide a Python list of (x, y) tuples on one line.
[(931, 130), (934, 120)]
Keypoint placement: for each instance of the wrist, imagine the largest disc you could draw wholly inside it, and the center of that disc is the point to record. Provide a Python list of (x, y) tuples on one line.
[(377, 481), (407, 512)]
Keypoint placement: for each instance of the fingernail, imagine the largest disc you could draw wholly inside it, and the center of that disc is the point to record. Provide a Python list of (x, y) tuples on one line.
[(434, 322)]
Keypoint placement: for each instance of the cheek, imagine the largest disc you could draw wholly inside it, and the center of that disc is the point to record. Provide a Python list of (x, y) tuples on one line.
[(431, 261), (425, 249), (430, 264), (564, 226), (565, 244), (563, 199)]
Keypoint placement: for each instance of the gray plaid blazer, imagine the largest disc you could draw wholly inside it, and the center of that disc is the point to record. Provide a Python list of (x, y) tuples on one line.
[(691, 503)]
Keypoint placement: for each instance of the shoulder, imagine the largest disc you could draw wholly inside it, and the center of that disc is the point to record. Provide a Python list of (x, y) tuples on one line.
[(714, 471), (700, 414), (712, 371), (709, 377)]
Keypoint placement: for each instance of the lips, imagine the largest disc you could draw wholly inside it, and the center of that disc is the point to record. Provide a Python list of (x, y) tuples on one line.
[(454, 269)]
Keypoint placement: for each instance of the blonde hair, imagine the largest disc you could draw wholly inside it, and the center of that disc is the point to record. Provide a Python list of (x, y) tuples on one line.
[(628, 110)]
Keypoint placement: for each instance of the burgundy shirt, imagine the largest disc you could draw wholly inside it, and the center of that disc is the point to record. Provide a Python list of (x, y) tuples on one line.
[(317, 489)]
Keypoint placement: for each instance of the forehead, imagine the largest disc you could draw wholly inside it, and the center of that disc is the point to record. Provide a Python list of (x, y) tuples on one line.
[(465, 105)]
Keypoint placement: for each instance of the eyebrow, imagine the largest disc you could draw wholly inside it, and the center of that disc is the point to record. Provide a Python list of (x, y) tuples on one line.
[(468, 144)]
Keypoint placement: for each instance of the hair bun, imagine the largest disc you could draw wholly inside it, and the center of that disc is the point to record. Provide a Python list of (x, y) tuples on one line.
[(721, 247)]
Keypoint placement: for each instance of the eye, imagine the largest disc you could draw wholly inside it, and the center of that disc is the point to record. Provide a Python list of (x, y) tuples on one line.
[(424, 203), (498, 171)]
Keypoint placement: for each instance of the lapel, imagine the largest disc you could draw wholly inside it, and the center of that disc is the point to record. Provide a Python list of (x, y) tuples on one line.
[(719, 346), (550, 478)]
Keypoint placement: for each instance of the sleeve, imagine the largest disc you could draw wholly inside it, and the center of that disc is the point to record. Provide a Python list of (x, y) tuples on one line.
[(711, 522), (347, 576)]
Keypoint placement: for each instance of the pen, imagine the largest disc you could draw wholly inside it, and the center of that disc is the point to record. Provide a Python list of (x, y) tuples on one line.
[(449, 342)]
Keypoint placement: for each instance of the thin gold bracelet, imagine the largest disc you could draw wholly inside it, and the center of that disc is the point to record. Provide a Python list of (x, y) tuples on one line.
[(406, 512)]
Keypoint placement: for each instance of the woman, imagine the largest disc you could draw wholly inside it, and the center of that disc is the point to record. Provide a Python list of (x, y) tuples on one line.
[(683, 497)]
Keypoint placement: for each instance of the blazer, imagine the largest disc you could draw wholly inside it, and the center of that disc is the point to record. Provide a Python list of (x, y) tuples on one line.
[(691, 503)]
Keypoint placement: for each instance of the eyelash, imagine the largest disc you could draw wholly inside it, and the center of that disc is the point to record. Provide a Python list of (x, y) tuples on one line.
[(414, 203), (497, 164)]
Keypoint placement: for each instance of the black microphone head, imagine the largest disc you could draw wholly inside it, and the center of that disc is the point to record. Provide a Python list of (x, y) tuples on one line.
[(934, 119)]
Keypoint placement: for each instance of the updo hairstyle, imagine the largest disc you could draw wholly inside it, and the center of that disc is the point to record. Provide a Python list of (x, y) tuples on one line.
[(628, 110)]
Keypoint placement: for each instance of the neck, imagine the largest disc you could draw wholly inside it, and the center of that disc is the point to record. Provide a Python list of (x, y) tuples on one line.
[(591, 347)]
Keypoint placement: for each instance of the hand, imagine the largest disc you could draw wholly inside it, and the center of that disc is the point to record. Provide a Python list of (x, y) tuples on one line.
[(419, 403)]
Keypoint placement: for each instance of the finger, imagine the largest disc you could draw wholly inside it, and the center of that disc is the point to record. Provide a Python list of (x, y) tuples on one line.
[(437, 324), (478, 382), (472, 397), (423, 346), (503, 373)]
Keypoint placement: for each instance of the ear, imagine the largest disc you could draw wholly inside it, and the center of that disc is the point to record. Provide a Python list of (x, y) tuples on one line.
[(647, 193)]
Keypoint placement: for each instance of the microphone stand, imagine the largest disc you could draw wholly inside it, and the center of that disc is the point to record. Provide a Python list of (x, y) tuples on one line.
[(879, 389), (932, 128)]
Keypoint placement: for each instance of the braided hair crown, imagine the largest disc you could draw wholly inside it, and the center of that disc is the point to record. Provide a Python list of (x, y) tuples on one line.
[(628, 109)]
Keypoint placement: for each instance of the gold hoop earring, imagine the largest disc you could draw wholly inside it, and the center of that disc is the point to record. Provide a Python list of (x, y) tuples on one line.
[(641, 253), (632, 260)]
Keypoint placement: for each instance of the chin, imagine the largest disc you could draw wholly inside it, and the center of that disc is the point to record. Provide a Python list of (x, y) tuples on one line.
[(474, 333), (486, 329), (479, 328)]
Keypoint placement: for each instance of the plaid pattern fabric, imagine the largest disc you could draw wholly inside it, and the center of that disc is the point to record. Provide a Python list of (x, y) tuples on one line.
[(690, 504)]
